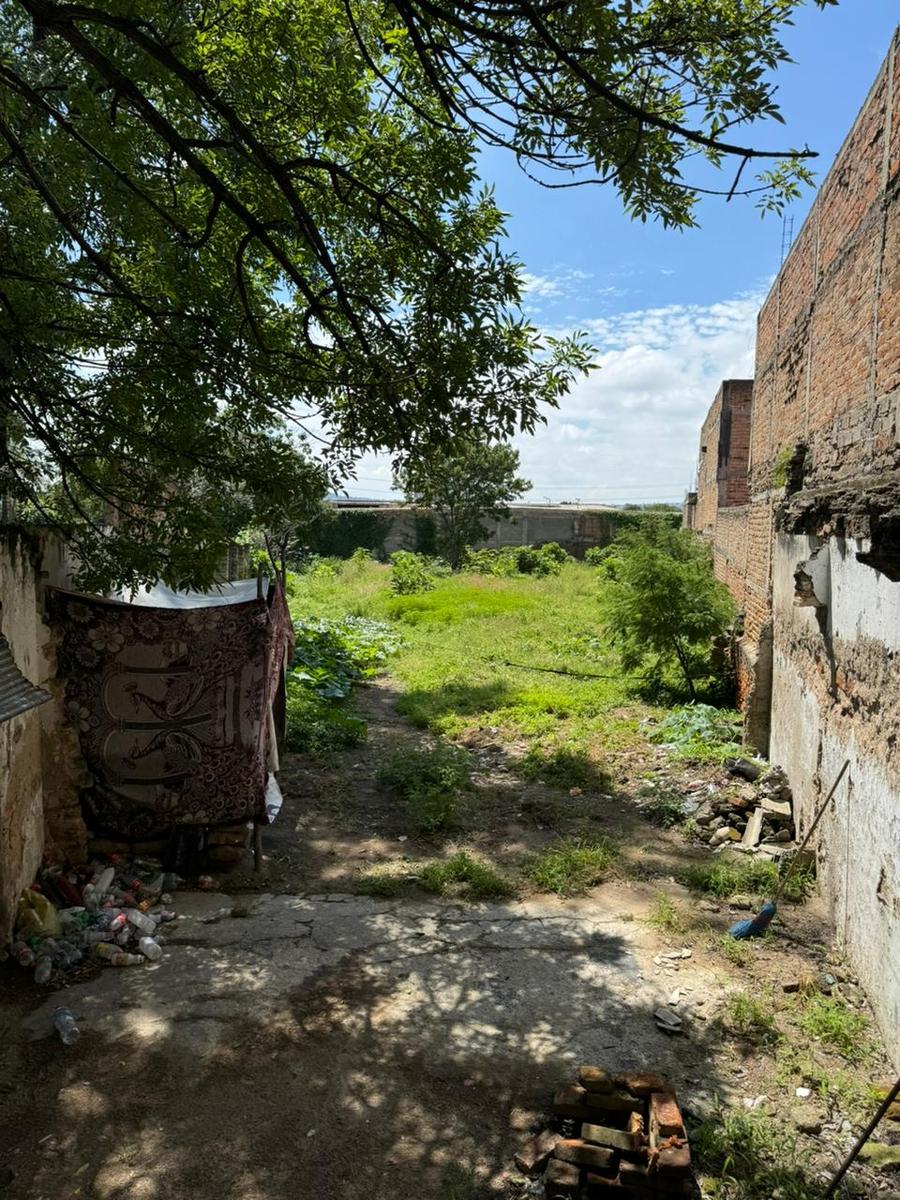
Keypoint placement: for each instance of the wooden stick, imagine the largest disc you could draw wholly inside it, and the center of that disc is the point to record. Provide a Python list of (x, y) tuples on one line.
[(812, 829), (863, 1138)]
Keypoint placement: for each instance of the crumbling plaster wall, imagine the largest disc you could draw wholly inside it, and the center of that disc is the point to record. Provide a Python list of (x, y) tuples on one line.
[(836, 696), (39, 761)]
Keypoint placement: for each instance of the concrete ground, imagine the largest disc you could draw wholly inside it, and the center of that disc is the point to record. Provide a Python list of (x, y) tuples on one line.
[(340, 1047)]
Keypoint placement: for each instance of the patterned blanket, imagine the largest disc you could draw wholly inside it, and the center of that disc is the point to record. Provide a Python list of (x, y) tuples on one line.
[(173, 707)]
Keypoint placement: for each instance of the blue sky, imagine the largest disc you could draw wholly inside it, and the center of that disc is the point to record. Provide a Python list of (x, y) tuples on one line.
[(671, 313)]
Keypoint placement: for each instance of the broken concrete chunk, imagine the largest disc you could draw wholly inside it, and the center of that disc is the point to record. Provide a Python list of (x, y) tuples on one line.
[(779, 808), (753, 832), (726, 834), (595, 1079), (532, 1157)]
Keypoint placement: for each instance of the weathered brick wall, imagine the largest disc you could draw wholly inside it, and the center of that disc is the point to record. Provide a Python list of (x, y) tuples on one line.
[(724, 453)]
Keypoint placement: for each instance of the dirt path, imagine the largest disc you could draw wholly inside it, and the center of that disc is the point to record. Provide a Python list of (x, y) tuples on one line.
[(336, 1046)]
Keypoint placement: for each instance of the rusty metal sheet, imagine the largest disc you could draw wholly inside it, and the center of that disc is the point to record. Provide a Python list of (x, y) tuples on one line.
[(17, 695)]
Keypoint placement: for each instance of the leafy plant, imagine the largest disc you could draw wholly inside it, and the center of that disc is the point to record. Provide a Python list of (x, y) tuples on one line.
[(412, 573), (748, 1156), (666, 916), (738, 953), (663, 806), (700, 731), (571, 866), (318, 726), (662, 605), (752, 1018), (433, 781), (465, 875)]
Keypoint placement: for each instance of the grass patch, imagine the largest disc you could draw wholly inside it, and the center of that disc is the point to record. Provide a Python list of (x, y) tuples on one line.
[(433, 781), (571, 866), (836, 1026), (725, 878), (458, 1183), (565, 767), (383, 884), (748, 1016), (666, 916), (454, 602), (465, 876), (748, 1156), (738, 953), (664, 806)]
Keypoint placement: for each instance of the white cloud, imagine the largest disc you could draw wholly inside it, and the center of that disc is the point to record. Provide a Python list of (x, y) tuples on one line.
[(630, 431)]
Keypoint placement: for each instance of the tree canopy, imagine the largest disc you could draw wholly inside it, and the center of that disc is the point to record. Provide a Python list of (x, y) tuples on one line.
[(462, 486), (226, 226)]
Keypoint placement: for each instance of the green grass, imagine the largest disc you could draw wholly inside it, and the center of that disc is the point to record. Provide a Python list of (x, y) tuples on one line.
[(749, 1016), (466, 876), (433, 782), (382, 884), (666, 916), (748, 1156), (664, 806), (469, 657), (564, 767), (725, 878), (738, 953), (571, 866), (837, 1026)]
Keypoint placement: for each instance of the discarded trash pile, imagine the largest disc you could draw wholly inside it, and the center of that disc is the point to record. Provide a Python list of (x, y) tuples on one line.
[(110, 914), (758, 819), (611, 1136)]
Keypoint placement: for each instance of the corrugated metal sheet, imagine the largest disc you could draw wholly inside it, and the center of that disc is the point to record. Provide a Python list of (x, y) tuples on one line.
[(17, 695)]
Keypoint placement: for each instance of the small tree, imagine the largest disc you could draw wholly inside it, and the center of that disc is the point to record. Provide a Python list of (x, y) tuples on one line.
[(462, 488), (662, 602)]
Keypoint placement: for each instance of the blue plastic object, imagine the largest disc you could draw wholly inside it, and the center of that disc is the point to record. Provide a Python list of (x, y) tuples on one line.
[(756, 926)]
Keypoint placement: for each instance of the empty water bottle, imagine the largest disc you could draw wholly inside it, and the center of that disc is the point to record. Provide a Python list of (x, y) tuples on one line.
[(24, 954), (150, 949), (140, 920), (64, 1020), (44, 969), (116, 957), (104, 882)]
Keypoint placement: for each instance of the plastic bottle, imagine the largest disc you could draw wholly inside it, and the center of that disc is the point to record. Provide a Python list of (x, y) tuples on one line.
[(90, 897), (104, 882), (44, 969), (64, 1020), (150, 949), (116, 957), (24, 954), (140, 920)]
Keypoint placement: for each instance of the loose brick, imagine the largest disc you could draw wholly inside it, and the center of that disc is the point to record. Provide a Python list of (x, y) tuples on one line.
[(616, 1101), (665, 1117), (561, 1180), (582, 1154), (636, 1126), (602, 1135), (642, 1083), (570, 1101), (533, 1155), (595, 1079), (673, 1160)]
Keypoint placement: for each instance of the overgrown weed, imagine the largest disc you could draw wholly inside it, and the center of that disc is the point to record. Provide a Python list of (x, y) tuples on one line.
[(748, 1156), (467, 876), (571, 866), (435, 783)]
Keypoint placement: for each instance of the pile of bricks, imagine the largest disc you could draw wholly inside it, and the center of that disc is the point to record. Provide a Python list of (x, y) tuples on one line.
[(612, 1136)]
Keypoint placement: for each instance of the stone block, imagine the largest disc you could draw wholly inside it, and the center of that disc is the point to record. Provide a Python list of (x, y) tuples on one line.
[(595, 1079), (532, 1156), (665, 1117), (583, 1154), (618, 1139), (561, 1180)]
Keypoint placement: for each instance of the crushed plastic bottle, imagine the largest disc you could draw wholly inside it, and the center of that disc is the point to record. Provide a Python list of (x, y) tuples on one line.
[(64, 1021), (150, 949), (104, 881), (44, 969), (140, 920), (116, 957)]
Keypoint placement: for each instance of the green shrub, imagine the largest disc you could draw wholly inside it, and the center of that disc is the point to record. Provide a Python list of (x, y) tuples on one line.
[(664, 806), (748, 1156), (701, 731), (748, 1016), (595, 555), (317, 726), (434, 782), (833, 1023), (412, 573), (465, 875), (571, 866)]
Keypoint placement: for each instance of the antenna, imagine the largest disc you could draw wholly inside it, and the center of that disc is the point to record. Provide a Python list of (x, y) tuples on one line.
[(787, 236)]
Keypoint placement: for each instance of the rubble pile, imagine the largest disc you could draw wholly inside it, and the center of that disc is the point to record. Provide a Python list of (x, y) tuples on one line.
[(611, 1136), (756, 817), (111, 914)]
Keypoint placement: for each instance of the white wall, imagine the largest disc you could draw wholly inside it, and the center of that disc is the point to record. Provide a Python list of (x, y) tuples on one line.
[(836, 696)]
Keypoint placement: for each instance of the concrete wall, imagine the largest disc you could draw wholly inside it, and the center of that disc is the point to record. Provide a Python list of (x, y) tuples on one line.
[(39, 763), (836, 695)]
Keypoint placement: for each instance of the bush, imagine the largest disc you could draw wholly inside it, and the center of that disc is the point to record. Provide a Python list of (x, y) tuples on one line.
[(701, 731), (412, 573), (317, 726), (516, 560), (594, 555), (433, 781)]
